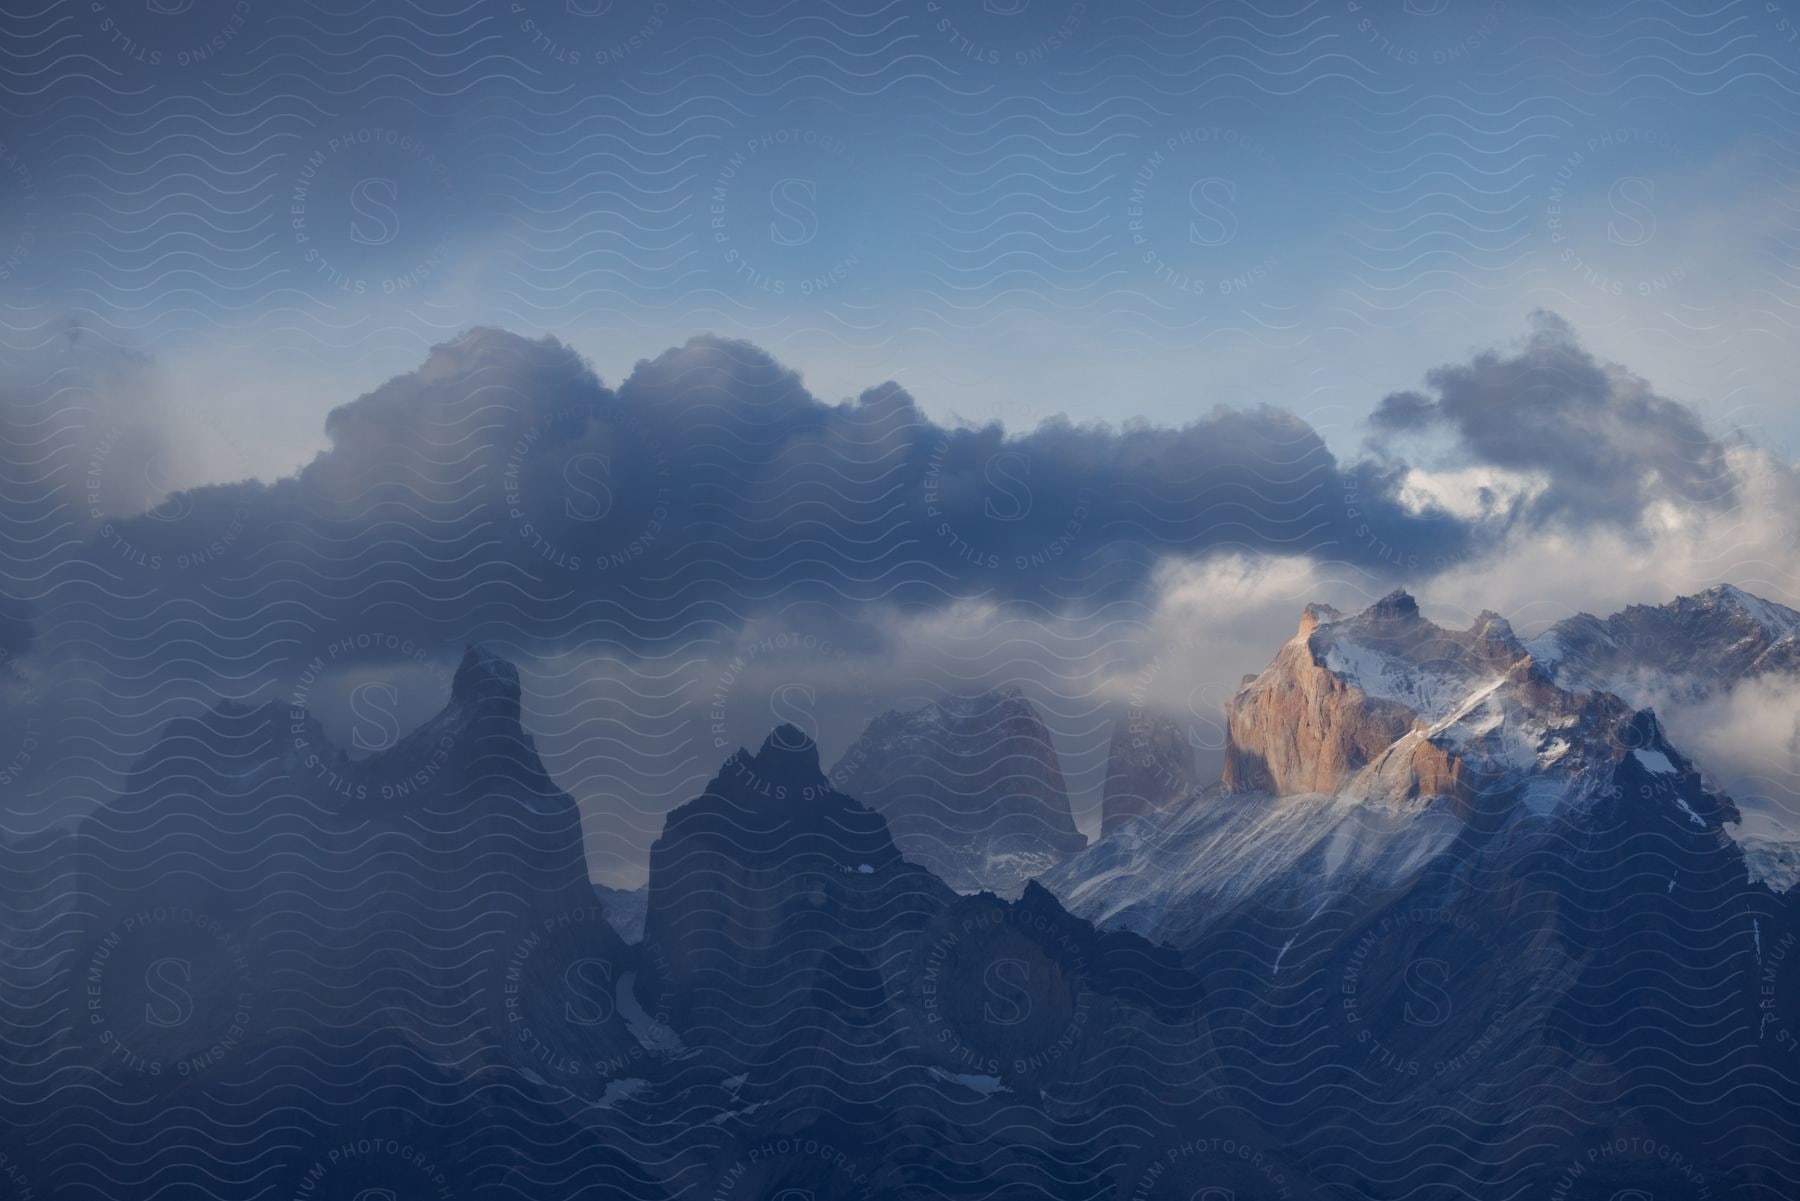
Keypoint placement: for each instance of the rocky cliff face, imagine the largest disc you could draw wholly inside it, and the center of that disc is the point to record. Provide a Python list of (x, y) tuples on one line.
[(743, 875), (438, 886), (1299, 727), (851, 998), (1371, 745), (1525, 901), (1690, 648), (268, 944), (1343, 692), (971, 788), (1722, 669), (1149, 770)]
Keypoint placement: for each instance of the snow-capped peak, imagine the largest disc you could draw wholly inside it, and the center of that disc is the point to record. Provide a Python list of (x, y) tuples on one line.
[(1373, 744), (1689, 648), (1778, 621), (1386, 708), (1391, 652)]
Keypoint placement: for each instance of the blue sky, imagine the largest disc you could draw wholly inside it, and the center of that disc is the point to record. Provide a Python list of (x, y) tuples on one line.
[(1017, 208), (1493, 300)]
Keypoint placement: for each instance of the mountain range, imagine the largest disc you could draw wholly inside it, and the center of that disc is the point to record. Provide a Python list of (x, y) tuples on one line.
[(1460, 919), (971, 788), (1373, 743)]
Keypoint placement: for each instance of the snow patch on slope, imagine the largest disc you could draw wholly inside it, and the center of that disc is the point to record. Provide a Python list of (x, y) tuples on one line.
[(1431, 693)]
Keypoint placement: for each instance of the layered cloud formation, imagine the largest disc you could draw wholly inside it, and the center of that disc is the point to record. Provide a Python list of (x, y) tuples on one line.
[(1588, 442), (671, 555)]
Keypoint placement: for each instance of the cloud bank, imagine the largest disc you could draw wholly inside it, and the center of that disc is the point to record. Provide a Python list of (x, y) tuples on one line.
[(634, 543)]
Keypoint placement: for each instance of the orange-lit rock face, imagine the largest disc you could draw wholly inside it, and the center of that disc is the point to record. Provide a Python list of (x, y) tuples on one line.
[(1417, 768), (1299, 728), (1387, 707), (1371, 696)]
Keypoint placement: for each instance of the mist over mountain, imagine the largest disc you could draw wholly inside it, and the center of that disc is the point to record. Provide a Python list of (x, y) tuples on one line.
[(560, 789), (899, 600), (708, 549), (1375, 743), (1528, 900), (970, 787)]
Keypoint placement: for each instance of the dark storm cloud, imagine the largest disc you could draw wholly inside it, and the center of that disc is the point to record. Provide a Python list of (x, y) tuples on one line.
[(501, 491), (1605, 443)]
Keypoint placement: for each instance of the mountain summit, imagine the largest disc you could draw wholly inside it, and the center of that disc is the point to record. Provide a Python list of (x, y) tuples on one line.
[(1692, 647), (1388, 704), (1447, 881), (971, 786), (1371, 745), (1526, 897), (484, 675)]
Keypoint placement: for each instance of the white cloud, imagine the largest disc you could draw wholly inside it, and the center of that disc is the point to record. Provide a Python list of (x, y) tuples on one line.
[(1540, 576), (1478, 493)]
